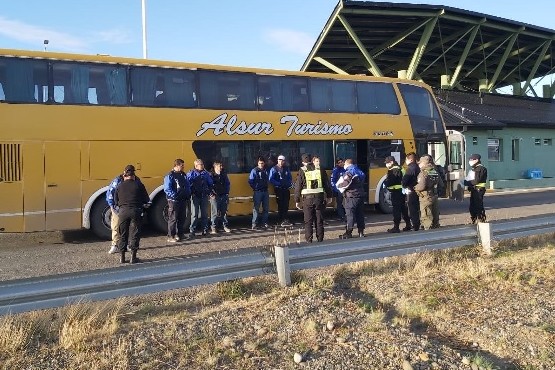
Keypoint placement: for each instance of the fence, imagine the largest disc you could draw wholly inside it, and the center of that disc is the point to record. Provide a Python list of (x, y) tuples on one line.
[(57, 290)]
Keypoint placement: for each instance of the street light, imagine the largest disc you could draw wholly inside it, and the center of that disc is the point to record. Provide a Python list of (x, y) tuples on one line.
[(45, 43), (144, 29)]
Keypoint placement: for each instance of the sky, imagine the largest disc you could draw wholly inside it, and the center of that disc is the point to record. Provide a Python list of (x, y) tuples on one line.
[(255, 33)]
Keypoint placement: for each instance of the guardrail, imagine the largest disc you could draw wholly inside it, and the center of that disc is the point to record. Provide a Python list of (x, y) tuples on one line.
[(58, 290)]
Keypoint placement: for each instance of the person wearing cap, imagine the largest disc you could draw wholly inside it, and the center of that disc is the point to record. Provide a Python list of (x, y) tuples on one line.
[(258, 181), (336, 174), (201, 188), (178, 195), (476, 183), (282, 180), (114, 219), (427, 183), (351, 184), (130, 198), (392, 183), (409, 180), (313, 190)]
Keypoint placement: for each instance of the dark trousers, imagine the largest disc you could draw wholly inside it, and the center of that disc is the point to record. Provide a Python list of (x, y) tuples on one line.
[(339, 205), (129, 227), (414, 209), (400, 210), (177, 214), (282, 200), (354, 211), (476, 207), (313, 208)]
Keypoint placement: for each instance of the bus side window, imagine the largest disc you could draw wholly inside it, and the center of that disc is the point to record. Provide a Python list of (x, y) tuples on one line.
[(22, 79)]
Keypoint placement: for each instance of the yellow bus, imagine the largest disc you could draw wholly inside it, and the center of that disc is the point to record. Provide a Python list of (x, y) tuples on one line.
[(70, 123)]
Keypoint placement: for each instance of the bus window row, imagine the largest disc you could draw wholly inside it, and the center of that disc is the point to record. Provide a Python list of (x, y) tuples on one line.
[(241, 156), (46, 81)]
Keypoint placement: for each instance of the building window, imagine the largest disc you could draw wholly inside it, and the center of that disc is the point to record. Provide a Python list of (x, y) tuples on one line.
[(547, 142), (474, 140), (494, 150), (515, 149), (537, 141)]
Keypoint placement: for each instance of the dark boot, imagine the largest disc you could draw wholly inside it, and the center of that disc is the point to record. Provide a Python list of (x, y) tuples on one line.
[(122, 257), (473, 220), (134, 258), (395, 229), (408, 227), (482, 218), (348, 234), (361, 233)]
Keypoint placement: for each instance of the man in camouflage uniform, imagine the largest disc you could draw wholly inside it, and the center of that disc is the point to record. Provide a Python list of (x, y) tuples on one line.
[(428, 181)]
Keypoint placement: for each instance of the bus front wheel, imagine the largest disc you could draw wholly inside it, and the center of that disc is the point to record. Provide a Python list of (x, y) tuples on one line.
[(100, 219), (385, 204)]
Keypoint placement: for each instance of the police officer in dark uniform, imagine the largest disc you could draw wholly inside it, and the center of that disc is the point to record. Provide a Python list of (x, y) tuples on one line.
[(410, 178), (130, 198), (313, 189), (476, 182), (352, 186), (393, 183)]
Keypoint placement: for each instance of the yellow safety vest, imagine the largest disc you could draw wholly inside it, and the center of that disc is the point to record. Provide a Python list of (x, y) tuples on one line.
[(313, 182), (481, 184), (393, 187)]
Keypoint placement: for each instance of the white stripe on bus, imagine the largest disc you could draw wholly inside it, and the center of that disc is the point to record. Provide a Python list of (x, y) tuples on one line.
[(40, 212)]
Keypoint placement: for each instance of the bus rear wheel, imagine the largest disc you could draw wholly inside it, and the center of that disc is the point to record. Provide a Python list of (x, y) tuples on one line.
[(385, 204), (100, 219)]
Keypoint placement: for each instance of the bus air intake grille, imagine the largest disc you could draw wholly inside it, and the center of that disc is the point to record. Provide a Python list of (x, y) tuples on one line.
[(10, 162)]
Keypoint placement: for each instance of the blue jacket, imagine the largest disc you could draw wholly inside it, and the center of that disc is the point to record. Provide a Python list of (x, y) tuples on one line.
[(201, 183), (176, 186), (112, 190), (337, 172), (281, 178), (258, 179)]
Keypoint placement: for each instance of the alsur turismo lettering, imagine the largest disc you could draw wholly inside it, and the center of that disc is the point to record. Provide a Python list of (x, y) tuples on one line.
[(232, 126)]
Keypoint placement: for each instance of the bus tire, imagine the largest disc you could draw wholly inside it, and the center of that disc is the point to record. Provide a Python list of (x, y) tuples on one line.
[(100, 219), (158, 215), (385, 205)]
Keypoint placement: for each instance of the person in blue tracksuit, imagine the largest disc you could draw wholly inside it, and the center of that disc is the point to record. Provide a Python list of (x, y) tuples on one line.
[(282, 180), (219, 199), (336, 174), (258, 180), (201, 188), (178, 194)]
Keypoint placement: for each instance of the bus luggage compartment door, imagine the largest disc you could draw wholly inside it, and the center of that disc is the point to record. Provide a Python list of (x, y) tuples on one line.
[(11, 188), (62, 188)]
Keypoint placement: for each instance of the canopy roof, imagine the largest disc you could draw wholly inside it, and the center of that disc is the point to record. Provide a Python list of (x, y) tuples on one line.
[(425, 42)]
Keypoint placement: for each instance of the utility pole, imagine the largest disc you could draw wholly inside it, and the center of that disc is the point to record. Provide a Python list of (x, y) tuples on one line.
[(45, 43)]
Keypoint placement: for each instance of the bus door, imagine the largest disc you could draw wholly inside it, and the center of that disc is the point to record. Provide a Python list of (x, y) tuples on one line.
[(63, 187), (456, 164), (358, 151)]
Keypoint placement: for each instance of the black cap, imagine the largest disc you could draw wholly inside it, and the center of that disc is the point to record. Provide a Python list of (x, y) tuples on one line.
[(305, 158), (475, 157), (389, 159), (129, 170)]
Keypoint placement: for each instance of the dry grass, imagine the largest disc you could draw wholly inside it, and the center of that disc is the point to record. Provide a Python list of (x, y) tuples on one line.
[(209, 329)]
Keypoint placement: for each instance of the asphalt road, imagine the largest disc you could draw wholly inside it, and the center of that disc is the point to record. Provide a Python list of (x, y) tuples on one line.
[(47, 253)]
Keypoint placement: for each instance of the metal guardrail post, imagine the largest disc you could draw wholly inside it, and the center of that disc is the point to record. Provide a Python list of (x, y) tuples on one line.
[(484, 236), (282, 265)]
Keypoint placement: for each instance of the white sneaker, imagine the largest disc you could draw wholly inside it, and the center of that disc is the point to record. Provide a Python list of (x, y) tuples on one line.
[(227, 229), (113, 249), (171, 239), (213, 231)]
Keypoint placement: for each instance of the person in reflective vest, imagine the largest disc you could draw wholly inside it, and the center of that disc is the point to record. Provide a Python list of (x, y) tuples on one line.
[(476, 183), (351, 184), (313, 190), (409, 181), (427, 183), (398, 200)]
